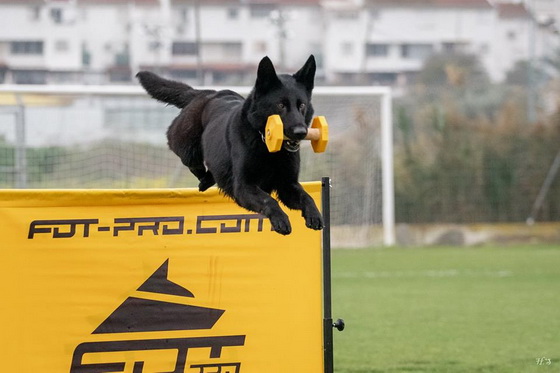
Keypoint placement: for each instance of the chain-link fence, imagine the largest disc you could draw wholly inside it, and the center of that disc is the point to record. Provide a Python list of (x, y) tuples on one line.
[(472, 156), (115, 138)]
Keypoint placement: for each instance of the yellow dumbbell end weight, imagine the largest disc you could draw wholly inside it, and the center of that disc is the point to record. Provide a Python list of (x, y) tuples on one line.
[(320, 134), (274, 133)]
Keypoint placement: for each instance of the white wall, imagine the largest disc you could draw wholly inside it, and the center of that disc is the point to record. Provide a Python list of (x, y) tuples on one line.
[(397, 26), (511, 44), (337, 39), (61, 43)]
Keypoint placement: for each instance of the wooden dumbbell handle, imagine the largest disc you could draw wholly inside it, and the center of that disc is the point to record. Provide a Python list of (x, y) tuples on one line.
[(313, 134)]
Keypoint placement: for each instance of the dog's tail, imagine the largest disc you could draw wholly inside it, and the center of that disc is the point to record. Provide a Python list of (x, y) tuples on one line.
[(168, 91)]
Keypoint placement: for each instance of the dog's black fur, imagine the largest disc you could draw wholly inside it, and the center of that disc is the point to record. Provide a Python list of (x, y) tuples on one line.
[(219, 136)]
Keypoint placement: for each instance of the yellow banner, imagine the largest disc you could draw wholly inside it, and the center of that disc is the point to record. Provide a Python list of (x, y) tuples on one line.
[(143, 281)]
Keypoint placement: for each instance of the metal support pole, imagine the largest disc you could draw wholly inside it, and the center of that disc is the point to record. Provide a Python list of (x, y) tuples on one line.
[(198, 39), (531, 72), (544, 189), (387, 170), (327, 302), (20, 151)]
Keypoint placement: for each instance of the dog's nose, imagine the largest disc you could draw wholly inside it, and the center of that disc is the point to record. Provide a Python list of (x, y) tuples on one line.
[(298, 133)]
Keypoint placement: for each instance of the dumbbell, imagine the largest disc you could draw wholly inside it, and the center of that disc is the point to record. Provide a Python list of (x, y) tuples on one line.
[(318, 133)]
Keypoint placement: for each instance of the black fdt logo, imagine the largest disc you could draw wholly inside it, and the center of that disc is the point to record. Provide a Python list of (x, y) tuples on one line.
[(138, 314)]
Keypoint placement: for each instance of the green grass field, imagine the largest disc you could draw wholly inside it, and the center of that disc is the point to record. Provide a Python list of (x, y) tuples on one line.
[(447, 309)]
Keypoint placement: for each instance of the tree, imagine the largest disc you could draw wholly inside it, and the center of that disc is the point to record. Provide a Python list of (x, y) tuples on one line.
[(454, 69), (519, 74)]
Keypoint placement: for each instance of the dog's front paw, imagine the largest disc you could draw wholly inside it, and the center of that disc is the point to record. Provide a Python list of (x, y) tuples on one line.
[(206, 182), (281, 224), (314, 221)]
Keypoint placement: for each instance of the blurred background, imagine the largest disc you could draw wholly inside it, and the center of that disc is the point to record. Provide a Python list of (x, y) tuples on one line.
[(474, 102)]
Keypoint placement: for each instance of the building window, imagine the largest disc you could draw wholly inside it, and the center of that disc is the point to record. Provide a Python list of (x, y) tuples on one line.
[(184, 74), (449, 47), (416, 51), (56, 15), (119, 74), (29, 76), (61, 46), (233, 13), (184, 48), (347, 15), (382, 78), (347, 48), (86, 56), (26, 47), (154, 45), (219, 52), (184, 12), (377, 50), (233, 48), (122, 59), (261, 10), (36, 13)]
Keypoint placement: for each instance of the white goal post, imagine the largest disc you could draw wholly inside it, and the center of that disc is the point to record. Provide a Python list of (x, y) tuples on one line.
[(368, 109)]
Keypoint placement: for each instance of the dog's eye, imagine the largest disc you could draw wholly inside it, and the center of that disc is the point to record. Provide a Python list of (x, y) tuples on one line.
[(301, 107), (281, 106)]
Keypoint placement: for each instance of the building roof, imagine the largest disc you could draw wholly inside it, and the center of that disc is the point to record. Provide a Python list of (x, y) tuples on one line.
[(137, 2), (223, 67), (285, 2), (22, 2), (432, 3), (252, 2), (512, 10), (43, 2)]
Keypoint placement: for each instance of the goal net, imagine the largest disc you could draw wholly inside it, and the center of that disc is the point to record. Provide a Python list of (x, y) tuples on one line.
[(114, 137)]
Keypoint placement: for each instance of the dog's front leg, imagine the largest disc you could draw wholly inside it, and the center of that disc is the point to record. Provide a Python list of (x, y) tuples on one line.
[(296, 198), (255, 199)]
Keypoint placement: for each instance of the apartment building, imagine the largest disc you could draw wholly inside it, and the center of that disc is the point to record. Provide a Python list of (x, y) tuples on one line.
[(221, 41), (390, 39)]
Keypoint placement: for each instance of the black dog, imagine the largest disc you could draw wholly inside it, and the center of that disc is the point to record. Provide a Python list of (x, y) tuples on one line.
[(219, 136)]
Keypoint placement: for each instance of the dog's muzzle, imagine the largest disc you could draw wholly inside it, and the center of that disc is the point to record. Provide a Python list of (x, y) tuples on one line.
[(294, 135), (291, 145)]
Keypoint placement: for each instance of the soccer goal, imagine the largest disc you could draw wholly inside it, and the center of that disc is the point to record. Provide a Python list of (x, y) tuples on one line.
[(114, 137)]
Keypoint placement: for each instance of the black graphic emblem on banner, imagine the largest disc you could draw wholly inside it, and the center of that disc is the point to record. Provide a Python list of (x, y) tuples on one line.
[(138, 314)]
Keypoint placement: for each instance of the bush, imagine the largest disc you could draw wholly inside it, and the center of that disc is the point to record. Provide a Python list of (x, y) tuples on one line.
[(450, 167)]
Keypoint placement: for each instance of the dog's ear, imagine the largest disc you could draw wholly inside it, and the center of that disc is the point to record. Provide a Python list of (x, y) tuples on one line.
[(266, 76), (306, 75)]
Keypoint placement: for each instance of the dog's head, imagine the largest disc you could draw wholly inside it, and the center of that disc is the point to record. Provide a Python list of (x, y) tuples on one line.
[(286, 95)]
